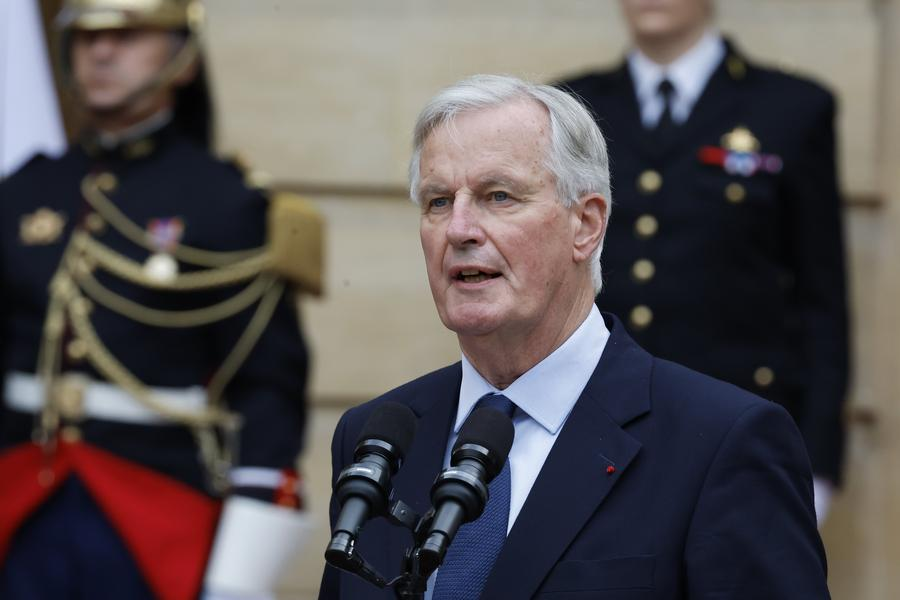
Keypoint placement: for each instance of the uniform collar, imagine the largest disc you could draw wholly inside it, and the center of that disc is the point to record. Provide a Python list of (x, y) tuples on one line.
[(137, 141), (689, 73), (548, 391)]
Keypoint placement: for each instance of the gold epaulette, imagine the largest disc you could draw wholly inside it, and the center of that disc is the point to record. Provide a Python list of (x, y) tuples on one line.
[(296, 236)]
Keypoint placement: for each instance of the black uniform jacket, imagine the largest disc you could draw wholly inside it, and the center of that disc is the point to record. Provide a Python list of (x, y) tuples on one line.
[(163, 176), (724, 251)]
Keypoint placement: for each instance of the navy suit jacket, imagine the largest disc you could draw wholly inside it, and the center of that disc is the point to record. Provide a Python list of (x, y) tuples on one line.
[(710, 494)]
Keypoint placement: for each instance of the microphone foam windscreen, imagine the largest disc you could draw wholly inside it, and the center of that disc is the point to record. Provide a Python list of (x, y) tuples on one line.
[(490, 428), (392, 422)]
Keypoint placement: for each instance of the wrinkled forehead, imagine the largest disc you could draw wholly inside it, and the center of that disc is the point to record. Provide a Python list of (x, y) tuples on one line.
[(520, 128)]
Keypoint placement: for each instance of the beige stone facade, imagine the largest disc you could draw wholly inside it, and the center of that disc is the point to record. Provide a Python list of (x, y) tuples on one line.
[(323, 95)]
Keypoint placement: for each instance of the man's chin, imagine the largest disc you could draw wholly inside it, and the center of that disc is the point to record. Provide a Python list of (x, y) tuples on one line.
[(471, 321)]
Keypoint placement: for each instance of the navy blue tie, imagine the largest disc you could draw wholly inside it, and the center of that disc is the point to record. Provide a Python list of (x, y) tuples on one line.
[(473, 552)]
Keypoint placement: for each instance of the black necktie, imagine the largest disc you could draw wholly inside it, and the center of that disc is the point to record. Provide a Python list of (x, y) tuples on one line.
[(665, 127)]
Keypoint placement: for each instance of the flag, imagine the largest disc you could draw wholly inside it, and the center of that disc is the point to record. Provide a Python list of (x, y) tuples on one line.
[(30, 120)]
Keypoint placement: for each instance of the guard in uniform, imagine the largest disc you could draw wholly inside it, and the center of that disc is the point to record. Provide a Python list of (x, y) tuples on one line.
[(154, 367), (725, 250)]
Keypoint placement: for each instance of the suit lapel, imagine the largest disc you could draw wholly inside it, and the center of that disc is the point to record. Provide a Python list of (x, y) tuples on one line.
[(575, 477), (436, 408)]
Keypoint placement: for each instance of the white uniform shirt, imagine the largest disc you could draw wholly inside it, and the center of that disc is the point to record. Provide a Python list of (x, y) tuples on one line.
[(689, 75)]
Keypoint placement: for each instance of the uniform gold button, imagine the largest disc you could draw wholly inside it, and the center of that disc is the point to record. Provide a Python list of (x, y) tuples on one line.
[(764, 376), (643, 270), (646, 226), (641, 316), (735, 193), (70, 434), (736, 67), (95, 223), (649, 181), (77, 349), (138, 149), (106, 181)]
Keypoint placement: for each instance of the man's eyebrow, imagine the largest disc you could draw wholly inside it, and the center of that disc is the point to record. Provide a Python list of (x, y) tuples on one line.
[(498, 180), (433, 189)]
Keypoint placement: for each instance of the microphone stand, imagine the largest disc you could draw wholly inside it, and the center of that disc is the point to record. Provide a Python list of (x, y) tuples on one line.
[(413, 582)]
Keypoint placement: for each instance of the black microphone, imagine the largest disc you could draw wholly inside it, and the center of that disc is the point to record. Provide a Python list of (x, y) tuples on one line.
[(364, 488), (460, 492)]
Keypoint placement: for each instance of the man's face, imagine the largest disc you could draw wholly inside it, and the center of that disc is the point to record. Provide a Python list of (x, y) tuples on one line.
[(498, 243), (665, 18), (111, 65)]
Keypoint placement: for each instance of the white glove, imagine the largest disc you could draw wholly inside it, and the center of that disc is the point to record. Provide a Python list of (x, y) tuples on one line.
[(220, 596), (254, 543)]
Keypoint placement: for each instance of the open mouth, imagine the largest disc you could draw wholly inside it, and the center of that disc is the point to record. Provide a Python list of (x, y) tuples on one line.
[(474, 276)]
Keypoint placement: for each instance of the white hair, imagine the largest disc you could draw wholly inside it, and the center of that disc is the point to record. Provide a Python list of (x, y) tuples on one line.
[(577, 155)]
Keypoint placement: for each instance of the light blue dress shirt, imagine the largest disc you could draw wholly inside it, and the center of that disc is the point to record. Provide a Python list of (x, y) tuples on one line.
[(544, 396)]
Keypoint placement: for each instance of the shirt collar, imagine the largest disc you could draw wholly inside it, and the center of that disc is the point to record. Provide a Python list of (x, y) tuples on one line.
[(548, 391), (689, 73)]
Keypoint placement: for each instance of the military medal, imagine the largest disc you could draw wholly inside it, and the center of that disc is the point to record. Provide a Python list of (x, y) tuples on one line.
[(164, 235), (739, 155), (42, 227)]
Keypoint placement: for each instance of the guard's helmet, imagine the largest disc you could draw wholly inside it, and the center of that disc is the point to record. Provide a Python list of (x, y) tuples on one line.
[(193, 108), (119, 14)]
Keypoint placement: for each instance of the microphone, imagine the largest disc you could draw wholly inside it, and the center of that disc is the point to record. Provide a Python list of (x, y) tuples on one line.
[(364, 488), (460, 492)]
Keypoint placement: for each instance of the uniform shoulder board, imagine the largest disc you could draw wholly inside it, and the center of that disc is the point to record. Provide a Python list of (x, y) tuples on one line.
[(253, 178), (296, 239)]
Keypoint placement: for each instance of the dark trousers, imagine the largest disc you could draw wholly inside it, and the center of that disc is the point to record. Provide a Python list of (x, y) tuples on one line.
[(68, 550)]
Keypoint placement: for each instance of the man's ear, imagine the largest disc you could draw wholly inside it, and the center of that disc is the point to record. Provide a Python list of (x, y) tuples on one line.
[(591, 214)]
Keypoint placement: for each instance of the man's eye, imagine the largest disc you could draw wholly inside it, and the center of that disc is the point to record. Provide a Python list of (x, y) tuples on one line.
[(438, 202), (499, 196)]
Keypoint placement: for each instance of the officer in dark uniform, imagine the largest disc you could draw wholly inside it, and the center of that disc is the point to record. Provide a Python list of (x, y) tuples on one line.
[(725, 253), (152, 356)]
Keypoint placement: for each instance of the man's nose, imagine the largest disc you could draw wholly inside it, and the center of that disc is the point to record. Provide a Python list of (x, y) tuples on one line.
[(102, 44), (465, 224)]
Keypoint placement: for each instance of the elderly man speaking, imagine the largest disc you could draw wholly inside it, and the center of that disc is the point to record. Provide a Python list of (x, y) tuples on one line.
[(629, 476)]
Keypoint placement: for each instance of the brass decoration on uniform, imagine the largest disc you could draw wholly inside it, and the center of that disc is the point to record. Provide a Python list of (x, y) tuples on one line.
[(42, 227), (164, 235), (764, 377), (740, 139), (113, 14), (138, 149), (95, 223), (641, 316), (736, 67), (646, 226), (106, 182), (70, 434), (77, 349), (649, 181), (643, 270), (735, 193), (67, 394), (161, 267)]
